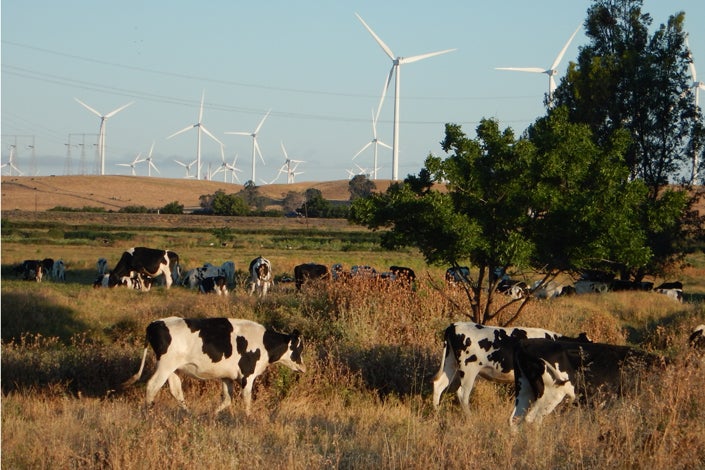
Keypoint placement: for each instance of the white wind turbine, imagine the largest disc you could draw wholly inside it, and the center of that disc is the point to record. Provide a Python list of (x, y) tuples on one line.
[(226, 167), (289, 167), (696, 86), (551, 71), (132, 164), (11, 162), (199, 127), (255, 146), (150, 161), (101, 130), (188, 167), (397, 62), (376, 143)]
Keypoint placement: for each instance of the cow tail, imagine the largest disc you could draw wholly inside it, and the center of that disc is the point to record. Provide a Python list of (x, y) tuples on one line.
[(447, 349), (137, 376)]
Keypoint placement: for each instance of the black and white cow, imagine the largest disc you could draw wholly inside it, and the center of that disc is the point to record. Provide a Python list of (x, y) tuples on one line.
[(32, 270), (216, 348), (102, 266), (310, 271), (146, 262), (214, 285), (471, 349), (260, 276), (673, 290), (58, 270), (457, 275), (228, 268), (193, 278), (697, 338), (548, 371)]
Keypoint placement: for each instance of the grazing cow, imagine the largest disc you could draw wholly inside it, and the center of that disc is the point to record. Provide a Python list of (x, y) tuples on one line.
[(48, 266), (214, 285), (32, 270), (146, 261), (548, 371), (673, 290), (58, 270), (228, 268), (310, 271), (215, 348), (194, 277), (458, 275), (102, 266), (697, 338), (260, 276), (403, 274), (472, 349)]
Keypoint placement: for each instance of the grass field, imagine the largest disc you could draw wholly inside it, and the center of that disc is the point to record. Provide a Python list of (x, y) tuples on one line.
[(371, 353)]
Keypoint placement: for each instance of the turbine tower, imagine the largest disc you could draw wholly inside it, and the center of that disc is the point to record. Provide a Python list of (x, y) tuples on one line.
[(376, 143), (551, 71), (199, 127), (696, 86), (255, 146), (101, 131), (397, 62)]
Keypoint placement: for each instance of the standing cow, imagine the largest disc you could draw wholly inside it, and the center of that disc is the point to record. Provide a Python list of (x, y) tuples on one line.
[(146, 262), (32, 270), (260, 276), (215, 348), (472, 349), (58, 270)]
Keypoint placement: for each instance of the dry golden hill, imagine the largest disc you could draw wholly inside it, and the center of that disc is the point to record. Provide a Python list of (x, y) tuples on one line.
[(39, 193)]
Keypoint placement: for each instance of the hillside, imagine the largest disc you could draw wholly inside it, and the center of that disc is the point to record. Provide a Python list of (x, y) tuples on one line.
[(40, 193)]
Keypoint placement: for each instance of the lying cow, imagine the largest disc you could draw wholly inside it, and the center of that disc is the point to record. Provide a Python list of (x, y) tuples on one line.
[(215, 348), (472, 349), (547, 371), (260, 276), (146, 262), (310, 271), (214, 285), (193, 278)]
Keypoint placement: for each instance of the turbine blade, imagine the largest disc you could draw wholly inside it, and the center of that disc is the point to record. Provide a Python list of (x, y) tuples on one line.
[(286, 156), (384, 92), (565, 48), (181, 131), (381, 43), (259, 152), (259, 126), (362, 150), (416, 58), (208, 133), (200, 111), (89, 108), (384, 145), (151, 164), (523, 69), (115, 111), (239, 133)]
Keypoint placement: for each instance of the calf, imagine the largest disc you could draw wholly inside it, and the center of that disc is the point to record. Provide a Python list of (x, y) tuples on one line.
[(260, 276), (215, 348), (214, 285), (194, 277), (32, 270), (146, 261), (58, 270), (472, 349), (310, 271), (548, 371)]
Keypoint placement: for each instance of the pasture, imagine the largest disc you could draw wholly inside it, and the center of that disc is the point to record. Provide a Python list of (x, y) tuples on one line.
[(370, 353)]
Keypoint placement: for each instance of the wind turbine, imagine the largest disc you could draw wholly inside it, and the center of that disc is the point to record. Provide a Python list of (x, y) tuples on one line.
[(150, 161), (188, 167), (397, 62), (101, 131), (374, 141), (133, 164), (696, 86), (199, 127), (255, 146), (287, 167), (551, 71), (225, 167), (11, 162)]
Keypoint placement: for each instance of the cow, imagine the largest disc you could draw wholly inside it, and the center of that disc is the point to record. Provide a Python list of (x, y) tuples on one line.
[(58, 270), (310, 271), (457, 275), (547, 291), (623, 284), (404, 274), (215, 348), (363, 271), (146, 261), (102, 266), (471, 349), (513, 288), (194, 277), (590, 287), (697, 338), (673, 290), (260, 276), (548, 371), (48, 266), (214, 285), (228, 268), (32, 270)]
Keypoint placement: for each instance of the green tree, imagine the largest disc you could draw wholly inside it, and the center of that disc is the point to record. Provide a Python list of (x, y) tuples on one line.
[(292, 201), (228, 204), (172, 208), (252, 197), (360, 186), (315, 205)]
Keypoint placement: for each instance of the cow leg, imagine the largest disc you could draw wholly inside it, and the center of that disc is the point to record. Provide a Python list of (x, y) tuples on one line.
[(467, 381), (265, 287), (176, 390), (253, 286), (247, 384), (227, 394), (522, 402), (444, 377), (155, 383)]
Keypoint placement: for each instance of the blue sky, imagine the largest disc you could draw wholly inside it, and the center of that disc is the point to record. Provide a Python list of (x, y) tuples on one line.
[(312, 63)]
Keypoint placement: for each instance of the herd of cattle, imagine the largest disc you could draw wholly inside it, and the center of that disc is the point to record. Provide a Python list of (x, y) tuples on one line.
[(545, 366)]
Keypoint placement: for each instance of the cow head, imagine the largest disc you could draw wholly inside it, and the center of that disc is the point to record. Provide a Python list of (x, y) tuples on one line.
[(292, 358)]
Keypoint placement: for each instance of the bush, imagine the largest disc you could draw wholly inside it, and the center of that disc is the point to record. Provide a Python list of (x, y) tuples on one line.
[(172, 208)]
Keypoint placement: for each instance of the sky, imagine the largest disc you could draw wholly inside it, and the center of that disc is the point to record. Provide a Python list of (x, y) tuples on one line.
[(311, 64)]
